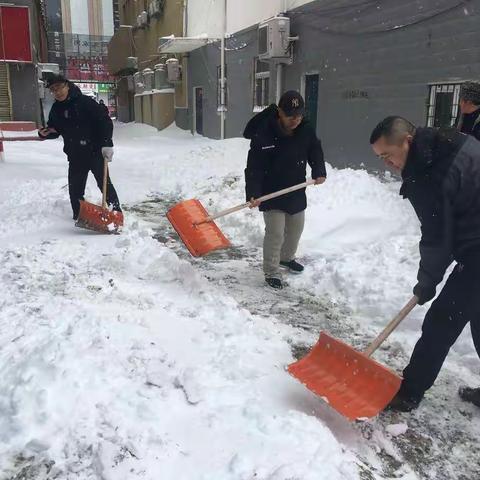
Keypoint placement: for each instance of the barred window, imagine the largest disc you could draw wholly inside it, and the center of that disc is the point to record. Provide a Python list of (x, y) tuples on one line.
[(443, 105)]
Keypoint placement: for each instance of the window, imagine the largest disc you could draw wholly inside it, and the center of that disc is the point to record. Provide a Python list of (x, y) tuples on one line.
[(219, 90), (261, 85), (443, 105)]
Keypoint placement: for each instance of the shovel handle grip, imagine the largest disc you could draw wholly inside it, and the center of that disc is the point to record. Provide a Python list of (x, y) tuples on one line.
[(391, 326), (262, 199)]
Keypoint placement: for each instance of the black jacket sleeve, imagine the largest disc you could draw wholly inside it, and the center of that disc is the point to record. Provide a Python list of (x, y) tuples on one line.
[(315, 157), (52, 123), (435, 213), (101, 120), (255, 171)]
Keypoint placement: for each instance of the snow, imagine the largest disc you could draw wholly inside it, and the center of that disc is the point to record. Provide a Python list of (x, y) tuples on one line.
[(122, 358)]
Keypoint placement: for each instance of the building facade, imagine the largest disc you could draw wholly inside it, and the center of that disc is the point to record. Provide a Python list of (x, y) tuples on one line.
[(144, 93), (355, 62), (23, 46), (78, 35)]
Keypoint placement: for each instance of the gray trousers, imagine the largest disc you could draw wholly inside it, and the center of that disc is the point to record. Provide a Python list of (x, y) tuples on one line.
[(282, 234)]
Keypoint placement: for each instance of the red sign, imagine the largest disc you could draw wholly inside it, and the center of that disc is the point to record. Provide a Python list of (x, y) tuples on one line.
[(93, 68), (15, 44)]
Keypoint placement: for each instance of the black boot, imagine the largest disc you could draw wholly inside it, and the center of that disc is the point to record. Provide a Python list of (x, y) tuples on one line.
[(274, 282), (404, 400), (471, 395), (293, 265)]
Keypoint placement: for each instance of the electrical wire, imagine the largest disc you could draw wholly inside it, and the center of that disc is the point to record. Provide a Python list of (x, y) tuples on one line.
[(447, 10)]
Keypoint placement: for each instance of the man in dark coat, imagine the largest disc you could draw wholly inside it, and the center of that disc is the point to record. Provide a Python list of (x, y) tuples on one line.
[(441, 178), (469, 120), (102, 104), (282, 143), (87, 137)]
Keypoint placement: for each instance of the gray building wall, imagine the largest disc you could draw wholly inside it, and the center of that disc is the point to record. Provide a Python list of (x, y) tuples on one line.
[(372, 62)]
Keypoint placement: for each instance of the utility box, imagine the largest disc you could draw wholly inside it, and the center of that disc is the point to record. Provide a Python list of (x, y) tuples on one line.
[(161, 77), (274, 39), (148, 79), (174, 71)]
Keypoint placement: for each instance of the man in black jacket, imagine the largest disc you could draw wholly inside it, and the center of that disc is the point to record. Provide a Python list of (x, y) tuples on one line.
[(87, 137), (469, 120), (441, 178), (282, 143)]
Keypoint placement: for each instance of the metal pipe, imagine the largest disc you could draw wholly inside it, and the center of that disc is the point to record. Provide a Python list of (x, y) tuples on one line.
[(222, 73), (279, 82)]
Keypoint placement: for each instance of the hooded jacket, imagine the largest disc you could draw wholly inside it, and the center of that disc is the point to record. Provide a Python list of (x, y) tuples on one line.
[(83, 123), (276, 161), (441, 179)]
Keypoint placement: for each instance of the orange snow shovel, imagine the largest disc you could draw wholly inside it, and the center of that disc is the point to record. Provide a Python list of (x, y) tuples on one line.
[(349, 381), (100, 219), (198, 230)]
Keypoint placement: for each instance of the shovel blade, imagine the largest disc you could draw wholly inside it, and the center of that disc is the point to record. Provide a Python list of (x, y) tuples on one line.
[(94, 217), (199, 239), (355, 385)]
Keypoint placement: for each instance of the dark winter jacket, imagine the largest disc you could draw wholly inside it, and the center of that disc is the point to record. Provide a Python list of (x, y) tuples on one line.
[(442, 181), (276, 161), (469, 123), (83, 123)]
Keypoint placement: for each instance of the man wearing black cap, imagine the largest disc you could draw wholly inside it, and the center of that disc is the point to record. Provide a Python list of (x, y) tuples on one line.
[(87, 137), (469, 121), (281, 145)]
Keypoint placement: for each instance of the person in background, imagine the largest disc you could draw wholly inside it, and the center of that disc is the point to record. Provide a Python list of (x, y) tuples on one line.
[(87, 137), (469, 105), (281, 144), (102, 104)]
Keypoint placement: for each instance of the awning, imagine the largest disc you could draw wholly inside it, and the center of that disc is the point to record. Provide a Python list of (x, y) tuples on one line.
[(180, 44)]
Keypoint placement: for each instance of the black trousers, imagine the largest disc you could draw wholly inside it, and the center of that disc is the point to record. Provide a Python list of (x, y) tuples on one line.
[(77, 179), (457, 305)]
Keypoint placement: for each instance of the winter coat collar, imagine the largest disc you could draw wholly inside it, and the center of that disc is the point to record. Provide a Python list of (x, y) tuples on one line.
[(268, 118)]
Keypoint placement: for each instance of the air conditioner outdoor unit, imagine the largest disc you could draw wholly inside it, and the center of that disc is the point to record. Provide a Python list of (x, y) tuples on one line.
[(174, 70), (274, 39), (132, 62), (142, 19), (155, 7)]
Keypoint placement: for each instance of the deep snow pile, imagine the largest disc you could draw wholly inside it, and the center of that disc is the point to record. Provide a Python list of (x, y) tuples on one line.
[(119, 360)]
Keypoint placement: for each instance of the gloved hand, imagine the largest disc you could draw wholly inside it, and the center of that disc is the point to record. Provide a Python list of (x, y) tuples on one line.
[(424, 293), (107, 153)]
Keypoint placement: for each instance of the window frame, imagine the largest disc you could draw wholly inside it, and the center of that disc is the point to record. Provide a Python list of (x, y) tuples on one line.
[(264, 77), (443, 87)]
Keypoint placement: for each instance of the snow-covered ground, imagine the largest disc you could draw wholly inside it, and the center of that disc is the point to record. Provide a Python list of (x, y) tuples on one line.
[(121, 357)]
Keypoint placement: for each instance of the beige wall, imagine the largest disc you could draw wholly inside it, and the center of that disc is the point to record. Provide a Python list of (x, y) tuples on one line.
[(156, 109)]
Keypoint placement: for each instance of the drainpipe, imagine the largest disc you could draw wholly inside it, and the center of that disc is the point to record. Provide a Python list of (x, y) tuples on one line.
[(185, 18), (278, 92), (222, 73)]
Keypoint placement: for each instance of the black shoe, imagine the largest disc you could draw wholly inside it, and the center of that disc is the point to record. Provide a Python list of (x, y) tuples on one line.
[(293, 265), (274, 282), (471, 395), (400, 403)]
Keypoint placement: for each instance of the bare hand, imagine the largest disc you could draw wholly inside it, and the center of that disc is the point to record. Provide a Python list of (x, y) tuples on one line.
[(46, 131), (320, 180), (254, 203)]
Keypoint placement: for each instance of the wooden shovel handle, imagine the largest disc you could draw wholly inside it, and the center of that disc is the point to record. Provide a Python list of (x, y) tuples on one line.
[(262, 199), (104, 190), (391, 326)]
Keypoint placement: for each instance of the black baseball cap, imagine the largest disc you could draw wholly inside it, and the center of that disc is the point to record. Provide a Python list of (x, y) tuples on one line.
[(292, 103), (53, 79)]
